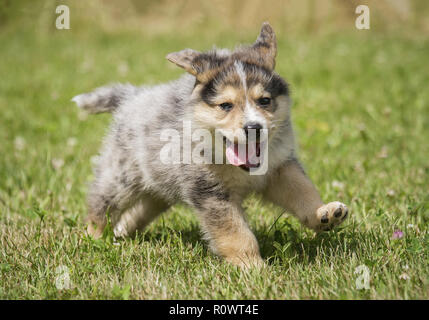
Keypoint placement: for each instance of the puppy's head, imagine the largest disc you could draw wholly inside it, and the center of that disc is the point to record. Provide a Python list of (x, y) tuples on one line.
[(237, 92)]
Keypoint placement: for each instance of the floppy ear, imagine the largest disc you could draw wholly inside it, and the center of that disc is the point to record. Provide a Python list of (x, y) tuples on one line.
[(197, 63), (265, 46), (184, 59)]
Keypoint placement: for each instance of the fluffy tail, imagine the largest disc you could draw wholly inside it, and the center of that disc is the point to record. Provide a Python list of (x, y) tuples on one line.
[(105, 99)]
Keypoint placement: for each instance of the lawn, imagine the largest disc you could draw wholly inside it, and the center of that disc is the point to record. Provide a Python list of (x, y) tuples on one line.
[(361, 112)]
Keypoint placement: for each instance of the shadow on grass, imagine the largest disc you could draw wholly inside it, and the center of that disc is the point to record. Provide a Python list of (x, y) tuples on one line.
[(292, 243), (284, 244), (189, 235)]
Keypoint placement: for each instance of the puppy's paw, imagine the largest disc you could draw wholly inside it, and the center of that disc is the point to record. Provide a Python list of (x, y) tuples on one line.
[(330, 215), (120, 230), (246, 263), (95, 230)]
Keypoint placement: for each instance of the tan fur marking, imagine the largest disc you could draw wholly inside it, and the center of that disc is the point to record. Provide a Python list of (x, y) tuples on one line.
[(232, 239), (229, 94), (258, 91), (290, 188)]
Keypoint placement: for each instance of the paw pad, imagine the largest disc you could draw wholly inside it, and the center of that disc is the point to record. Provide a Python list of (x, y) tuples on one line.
[(330, 215)]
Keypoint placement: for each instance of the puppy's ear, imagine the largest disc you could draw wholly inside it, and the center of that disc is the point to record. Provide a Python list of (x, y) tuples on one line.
[(265, 46), (201, 65), (184, 59)]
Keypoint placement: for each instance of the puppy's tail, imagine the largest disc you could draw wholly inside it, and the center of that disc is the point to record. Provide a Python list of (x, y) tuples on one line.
[(105, 99)]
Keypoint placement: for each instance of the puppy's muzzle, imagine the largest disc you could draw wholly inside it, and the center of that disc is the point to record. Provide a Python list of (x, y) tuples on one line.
[(253, 126)]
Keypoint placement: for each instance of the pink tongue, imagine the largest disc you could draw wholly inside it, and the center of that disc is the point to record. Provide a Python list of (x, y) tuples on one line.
[(237, 156)]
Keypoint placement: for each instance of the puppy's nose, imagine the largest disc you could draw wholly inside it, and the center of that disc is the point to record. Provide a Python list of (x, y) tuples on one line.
[(252, 125)]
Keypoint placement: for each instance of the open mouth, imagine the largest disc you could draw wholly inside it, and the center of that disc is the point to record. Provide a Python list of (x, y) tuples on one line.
[(245, 156)]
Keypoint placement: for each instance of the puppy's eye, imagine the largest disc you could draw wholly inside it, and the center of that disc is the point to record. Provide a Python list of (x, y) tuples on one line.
[(227, 106), (264, 101)]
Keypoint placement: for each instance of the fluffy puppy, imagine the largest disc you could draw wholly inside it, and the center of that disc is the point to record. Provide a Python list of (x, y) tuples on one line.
[(235, 95)]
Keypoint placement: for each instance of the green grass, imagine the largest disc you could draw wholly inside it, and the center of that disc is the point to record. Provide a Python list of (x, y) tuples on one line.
[(362, 116)]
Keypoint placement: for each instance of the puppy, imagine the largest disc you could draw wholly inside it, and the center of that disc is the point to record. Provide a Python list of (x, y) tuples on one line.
[(235, 95)]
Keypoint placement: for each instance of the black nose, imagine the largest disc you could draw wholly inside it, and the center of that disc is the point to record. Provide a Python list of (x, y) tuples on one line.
[(252, 125)]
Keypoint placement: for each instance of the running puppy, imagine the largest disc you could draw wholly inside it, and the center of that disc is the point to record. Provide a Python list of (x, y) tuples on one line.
[(235, 94)]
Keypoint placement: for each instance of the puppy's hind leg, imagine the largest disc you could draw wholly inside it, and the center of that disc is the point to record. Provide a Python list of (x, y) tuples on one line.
[(106, 200), (114, 190), (139, 216)]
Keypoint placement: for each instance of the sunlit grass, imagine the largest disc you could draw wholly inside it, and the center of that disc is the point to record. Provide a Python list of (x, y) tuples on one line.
[(362, 116)]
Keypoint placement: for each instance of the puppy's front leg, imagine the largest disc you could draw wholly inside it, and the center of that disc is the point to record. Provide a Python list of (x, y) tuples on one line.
[(291, 189), (224, 226)]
